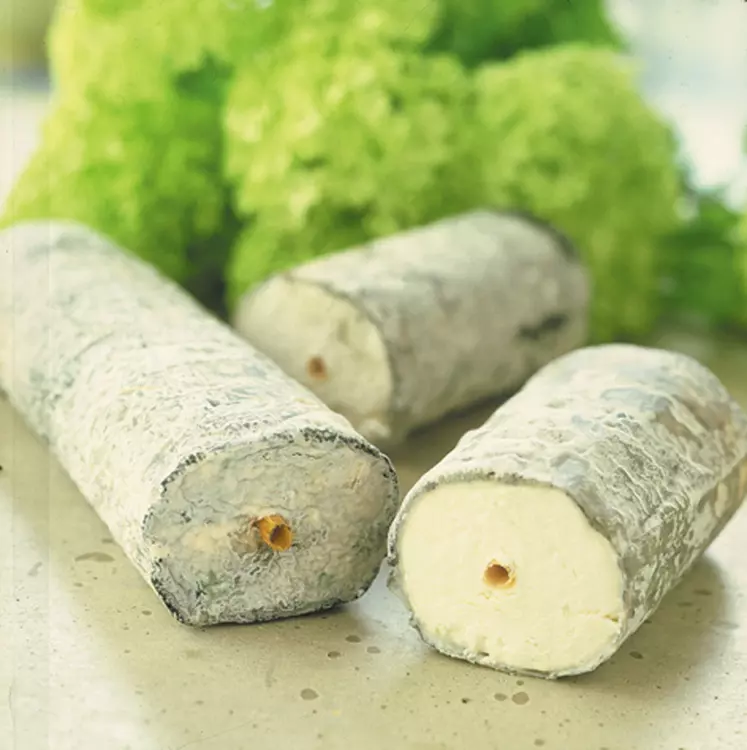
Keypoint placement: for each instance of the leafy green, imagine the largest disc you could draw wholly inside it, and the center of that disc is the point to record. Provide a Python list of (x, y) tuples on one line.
[(294, 128), (566, 21), (353, 146), (741, 265), (701, 262), (148, 175), (479, 31), (564, 133)]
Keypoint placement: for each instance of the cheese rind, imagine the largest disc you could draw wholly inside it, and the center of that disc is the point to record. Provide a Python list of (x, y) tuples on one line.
[(411, 327), (597, 486), (183, 437)]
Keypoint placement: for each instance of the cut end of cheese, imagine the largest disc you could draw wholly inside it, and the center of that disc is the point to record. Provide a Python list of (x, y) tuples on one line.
[(512, 577), (249, 534), (325, 343)]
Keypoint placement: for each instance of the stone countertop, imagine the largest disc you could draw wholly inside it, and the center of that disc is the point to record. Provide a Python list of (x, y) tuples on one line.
[(89, 660)]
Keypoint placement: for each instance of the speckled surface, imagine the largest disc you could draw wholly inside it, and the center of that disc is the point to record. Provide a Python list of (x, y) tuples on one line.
[(90, 661), (181, 435), (454, 332), (649, 445)]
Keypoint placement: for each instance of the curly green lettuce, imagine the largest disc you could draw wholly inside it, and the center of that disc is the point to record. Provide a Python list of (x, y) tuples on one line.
[(130, 50), (147, 175), (564, 133), (355, 145), (134, 143), (299, 127), (702, 261)]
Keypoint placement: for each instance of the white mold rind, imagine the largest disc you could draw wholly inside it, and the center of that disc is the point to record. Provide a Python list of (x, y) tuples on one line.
[(649, 445), (181, 435), (466, 308)]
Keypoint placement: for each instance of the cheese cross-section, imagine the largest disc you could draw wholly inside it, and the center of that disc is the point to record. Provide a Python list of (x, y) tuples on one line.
[(235, 491), (510, 575), (549, 534)]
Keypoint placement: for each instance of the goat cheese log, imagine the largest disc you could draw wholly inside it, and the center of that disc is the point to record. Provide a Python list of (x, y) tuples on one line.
[(548, 535), (237, 494), (406, 329)]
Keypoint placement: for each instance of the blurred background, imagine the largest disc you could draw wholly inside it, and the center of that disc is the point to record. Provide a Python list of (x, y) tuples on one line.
[(694, 55), (23, 26), (695, 71)]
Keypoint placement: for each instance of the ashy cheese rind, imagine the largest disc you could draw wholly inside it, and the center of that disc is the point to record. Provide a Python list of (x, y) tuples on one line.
[(548, 535), (410, 327), (237, 494)]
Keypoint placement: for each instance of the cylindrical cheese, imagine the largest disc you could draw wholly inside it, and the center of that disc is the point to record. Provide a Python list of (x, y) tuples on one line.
[(548, 535), (237, 494), (402, 331)]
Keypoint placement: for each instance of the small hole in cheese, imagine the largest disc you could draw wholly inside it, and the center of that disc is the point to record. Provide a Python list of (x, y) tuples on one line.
[(498, 576), (280, 537), (316, 368), (275, 533)]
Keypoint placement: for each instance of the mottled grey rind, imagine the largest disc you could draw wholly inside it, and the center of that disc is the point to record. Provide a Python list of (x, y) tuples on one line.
[(181, 435), (649, 445), (467, 307)]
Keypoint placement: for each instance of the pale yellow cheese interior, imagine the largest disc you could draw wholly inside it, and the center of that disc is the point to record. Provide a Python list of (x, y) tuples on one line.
[(510, 576), (327, 344)]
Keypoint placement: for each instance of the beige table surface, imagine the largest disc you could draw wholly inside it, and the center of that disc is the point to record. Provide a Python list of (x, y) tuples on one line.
[(89, 660)]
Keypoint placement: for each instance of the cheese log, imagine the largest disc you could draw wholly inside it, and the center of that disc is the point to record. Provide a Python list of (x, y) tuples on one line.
[(406, 329), (237, 494), (548, 535)]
